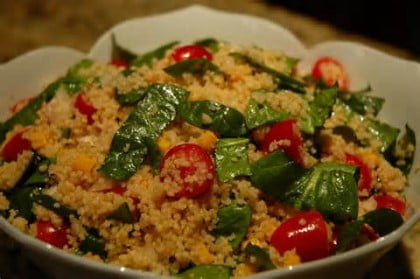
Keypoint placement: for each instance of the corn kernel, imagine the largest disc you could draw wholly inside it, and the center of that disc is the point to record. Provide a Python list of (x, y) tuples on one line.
[(84, 163), (291, 258), (163, 144), (38, 139), (202, 254), (207, 140)]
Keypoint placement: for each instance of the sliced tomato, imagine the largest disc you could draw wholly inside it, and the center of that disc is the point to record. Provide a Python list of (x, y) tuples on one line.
[(305, 232), (386, 201), (20, 105), (120, 63), (84, 107), (365, 179), (191, 52), (286, 136), (15, 146), (190, 168), (46, 232), (330, 71)]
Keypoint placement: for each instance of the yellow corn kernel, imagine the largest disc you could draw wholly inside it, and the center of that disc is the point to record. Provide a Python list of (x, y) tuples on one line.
[(370, 158), (84, 163), (244, 269), (163, 144), (202, 254), (207, 140), (291, 258), (38, 139)]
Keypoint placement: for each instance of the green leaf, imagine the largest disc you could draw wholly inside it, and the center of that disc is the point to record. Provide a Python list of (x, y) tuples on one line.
[(272, 173), (226, 121), (207, 272), (38, 179), (154, 154), (197, 66), (347, 134), (383, 221), (119, 52), (93, 243), (291, 62), (209, 43), (122, 213), (404, 151), (259, 257), (130, 98), (65, 133), (52, 204), (21, 200), (365, 104), (233, 221), (259, 114), (232, 158), (74, 82), (156, 54), (284, 81), (149, 118)]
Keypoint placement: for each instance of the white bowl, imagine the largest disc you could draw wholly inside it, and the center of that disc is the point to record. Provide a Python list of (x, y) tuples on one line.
[(395, 79)]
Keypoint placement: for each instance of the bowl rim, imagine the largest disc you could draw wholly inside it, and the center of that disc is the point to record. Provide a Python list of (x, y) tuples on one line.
[(35, 244)]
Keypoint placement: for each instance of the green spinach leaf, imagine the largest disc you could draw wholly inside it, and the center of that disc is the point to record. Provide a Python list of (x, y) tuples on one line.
[(402, 156), (259, 257), (93, 243), (259, 114), (198, 66), (147, 58), (130, 144), (232, 158), (233, 221), (21, 200), (130, 98), (226, 121), (52, 204), (207, 272), (122, 213), (209, 43), (365, 104)]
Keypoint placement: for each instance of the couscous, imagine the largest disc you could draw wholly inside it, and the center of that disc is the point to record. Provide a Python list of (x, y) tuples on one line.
[(202, 160)]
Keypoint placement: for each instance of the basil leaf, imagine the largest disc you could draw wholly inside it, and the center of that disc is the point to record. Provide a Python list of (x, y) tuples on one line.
[(272, 173), (119, 52), (226, 121), (156, 54), (209, 43), (259, 114), (50, 203), (365, 104), (208, 271), (122, 213), (259, 257), (28, 114), (383, 221), (145, 123), (93, 243), (198, 66), (283, 81), (232, 158), (233, 220), (130, 98), (403, 153)]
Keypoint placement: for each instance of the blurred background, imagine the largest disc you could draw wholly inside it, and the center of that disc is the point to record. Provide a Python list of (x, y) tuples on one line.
[(389, 25)]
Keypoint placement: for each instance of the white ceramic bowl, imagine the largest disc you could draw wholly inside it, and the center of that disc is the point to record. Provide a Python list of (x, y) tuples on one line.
[(395, 79)]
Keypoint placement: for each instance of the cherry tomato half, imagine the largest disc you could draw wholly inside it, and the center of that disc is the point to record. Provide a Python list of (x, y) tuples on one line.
[(386, 201), (20, 105), (46, 232), (306, 232), (120, 63), (84, 107), (330, 71), (190, 168), (191, 52), (285, 135), (365, 179), (15, 146)]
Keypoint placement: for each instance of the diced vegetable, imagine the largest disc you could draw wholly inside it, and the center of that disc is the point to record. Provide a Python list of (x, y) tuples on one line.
[(48, 233), (283, 81), (85, 108), (390, 202), (123, 214), (130, 98), (15, 146), (365, 178), (331, 72), (190, 168), (223, 120), (259, 257), (233, 220), (191, 52), (209, 43), (198, 66), (52, 204), (207, 272), (145, 123), (232, 158), (93, 243), (306, 233), (259, 114), (156, 54)]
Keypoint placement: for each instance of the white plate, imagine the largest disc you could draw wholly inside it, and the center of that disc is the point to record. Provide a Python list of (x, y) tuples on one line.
[(395, 79)]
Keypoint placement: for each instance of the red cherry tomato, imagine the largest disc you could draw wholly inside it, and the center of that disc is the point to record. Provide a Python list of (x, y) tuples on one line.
[(191, 52), (15, 146), (120, 63), (189, 167), (330, 71), (20, 105), (386, 201), (306, 232), (365, 179), (46, 232), (84, 107), (285, 135)]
